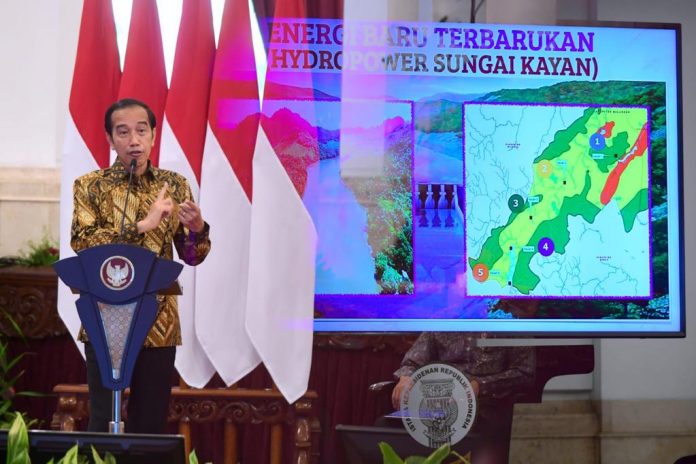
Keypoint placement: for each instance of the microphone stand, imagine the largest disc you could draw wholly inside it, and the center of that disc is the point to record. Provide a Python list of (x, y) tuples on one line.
[(116, 425), (128, 191)]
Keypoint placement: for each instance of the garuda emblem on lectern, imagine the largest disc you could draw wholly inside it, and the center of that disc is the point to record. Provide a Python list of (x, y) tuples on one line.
[(117, 273)]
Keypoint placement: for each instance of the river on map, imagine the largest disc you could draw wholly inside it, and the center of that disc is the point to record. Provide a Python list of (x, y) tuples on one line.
[(344, 262), (438, 158)]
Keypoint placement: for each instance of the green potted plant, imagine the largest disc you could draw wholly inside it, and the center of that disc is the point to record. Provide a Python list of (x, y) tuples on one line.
[(18, 448), (8, 379), (28, 289), (41, 253), (437, 457)]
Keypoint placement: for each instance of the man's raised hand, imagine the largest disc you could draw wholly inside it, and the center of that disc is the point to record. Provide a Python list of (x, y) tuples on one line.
[(159, 210), (190, 216)]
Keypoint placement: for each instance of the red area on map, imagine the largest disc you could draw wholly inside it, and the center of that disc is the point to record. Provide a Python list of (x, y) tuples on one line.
[(638, 149), (606, 129)]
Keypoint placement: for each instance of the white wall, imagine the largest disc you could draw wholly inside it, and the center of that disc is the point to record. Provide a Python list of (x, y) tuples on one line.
[(36, 51), (657, 369)]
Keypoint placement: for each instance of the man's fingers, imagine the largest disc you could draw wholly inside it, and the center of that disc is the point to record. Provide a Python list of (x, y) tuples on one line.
[(189, 206), (396, 397), (189, 210), (163, 191)]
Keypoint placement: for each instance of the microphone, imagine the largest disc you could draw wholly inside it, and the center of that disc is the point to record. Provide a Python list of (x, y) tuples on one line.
[(128, 191)]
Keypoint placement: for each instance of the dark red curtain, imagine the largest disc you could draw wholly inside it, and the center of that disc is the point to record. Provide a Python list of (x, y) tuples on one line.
[(332, 9)]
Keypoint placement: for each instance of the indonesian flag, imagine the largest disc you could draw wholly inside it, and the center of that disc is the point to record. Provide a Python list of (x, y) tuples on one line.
[(226, 185), (95, 85), (183, 132), (144, 73), (280, 303)]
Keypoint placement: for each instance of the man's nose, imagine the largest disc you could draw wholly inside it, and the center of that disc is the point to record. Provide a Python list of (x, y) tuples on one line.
[(134, 139)]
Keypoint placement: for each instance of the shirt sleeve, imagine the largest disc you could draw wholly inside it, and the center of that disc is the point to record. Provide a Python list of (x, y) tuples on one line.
[(88, 229), (191, 246), (421, 353), (520, 373)]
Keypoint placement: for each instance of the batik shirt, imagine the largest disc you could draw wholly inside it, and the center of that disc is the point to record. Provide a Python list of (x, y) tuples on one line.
[(99, 198), (498, 370)]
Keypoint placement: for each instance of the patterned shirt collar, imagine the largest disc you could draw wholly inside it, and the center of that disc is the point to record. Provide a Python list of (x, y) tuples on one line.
[(119, 171)]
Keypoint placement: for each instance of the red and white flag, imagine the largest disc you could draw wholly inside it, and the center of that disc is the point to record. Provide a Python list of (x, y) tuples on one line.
[(226, 183), (183, 133), (95, 85), (280, 303), (144, 74)]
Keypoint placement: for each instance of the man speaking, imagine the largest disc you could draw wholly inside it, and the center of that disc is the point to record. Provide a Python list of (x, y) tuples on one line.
[(136, 203)]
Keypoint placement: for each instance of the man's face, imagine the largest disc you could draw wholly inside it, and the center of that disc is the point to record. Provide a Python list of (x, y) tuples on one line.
[(132, 137)]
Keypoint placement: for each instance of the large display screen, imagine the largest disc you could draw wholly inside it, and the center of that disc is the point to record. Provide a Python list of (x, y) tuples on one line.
[(477, 177)]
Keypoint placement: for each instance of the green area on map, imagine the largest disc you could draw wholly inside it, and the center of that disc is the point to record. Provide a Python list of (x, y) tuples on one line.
[(601, 157)]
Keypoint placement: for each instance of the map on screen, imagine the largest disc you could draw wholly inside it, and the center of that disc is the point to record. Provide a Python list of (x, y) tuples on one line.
[(557, 200)]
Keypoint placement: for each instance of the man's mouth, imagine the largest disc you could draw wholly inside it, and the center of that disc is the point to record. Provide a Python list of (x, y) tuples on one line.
[(135, 153)]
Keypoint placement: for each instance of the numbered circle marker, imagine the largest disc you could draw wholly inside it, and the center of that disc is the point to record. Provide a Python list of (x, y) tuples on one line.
[(481, 272), (545, 246), (597, 141), (544, 168), (516, 203)]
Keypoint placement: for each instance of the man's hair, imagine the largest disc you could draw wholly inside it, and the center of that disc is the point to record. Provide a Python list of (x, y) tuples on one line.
[(127, 103)]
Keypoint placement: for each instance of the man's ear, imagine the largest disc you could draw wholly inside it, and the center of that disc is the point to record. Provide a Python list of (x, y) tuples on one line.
[(154, 136)]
